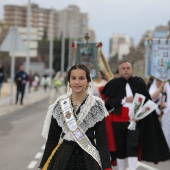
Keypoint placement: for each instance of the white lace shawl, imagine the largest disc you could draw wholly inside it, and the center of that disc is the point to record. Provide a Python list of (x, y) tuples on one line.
[(91, 112)]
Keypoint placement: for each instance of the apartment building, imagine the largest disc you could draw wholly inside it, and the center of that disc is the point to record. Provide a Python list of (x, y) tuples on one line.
[(120, 45), (92, 34), (70, 20), (160, 31), (39, 18)]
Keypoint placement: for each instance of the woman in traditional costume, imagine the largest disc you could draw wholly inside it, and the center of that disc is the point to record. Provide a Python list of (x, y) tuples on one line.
[(75, 127), (100, 81), (160, 94)]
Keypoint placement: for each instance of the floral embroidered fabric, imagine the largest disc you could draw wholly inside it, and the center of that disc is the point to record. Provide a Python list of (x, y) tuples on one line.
[(91, 112)]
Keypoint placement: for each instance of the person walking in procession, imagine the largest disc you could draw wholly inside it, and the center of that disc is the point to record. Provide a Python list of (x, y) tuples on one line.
[(160, 94), (146, 142), (75, 127), (21, 79)]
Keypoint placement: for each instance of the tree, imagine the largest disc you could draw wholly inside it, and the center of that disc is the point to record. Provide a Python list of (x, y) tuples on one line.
[(136, 56), (43, 51), (113, 63)]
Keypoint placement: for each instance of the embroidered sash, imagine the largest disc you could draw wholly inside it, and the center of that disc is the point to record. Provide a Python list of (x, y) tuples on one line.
[(78, 134)]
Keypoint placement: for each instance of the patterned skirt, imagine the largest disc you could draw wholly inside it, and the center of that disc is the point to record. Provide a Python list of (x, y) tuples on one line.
[(70, 156)]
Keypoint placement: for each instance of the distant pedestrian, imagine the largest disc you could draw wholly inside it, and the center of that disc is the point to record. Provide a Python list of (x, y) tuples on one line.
[(30, 80), (1, 77), (45, 82), (100, 81), (21, 79), (36, 81)]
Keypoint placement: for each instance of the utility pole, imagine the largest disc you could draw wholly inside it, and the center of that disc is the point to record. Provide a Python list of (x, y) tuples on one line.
[(63, 44), (28, 43), (70, 53), (51, 46), (13, 63), (168, 29)]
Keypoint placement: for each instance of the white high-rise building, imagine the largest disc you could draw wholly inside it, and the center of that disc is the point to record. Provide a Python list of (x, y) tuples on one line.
[(92, 34), (72, 22), (120, 45)]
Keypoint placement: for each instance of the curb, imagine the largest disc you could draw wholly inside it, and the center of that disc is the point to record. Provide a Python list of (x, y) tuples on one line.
[(33, 97)]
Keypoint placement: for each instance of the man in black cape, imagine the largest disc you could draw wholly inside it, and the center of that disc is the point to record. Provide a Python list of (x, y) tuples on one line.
[(147, 142)]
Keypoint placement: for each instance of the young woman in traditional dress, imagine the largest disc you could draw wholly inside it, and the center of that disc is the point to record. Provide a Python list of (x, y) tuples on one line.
[(75, 127)]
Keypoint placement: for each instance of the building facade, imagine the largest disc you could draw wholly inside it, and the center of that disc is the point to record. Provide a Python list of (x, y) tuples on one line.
[(39, 18), (120, 45), (92, 35), (70, 20)]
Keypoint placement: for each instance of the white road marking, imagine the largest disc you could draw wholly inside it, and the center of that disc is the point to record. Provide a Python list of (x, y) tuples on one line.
[(32, 165), (140, 164), (43, 147), (38, 155), (146, 166)]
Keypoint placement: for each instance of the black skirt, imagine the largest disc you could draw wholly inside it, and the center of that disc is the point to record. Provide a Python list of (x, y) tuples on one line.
[(70, 156)]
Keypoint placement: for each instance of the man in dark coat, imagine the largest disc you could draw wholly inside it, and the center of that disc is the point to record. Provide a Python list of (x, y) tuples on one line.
[(21, 78), (147, 141)]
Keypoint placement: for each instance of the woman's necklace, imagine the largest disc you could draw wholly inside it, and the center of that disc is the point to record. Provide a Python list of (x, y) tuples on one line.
[(76, 105)]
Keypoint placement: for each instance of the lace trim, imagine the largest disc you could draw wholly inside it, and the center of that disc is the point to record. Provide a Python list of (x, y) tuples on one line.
[(91, 112), (47, 120)]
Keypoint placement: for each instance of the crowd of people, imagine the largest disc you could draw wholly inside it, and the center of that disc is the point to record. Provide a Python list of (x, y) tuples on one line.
[(147, 141), (22, 79), (86, 126), (35, 81), (88, 130)]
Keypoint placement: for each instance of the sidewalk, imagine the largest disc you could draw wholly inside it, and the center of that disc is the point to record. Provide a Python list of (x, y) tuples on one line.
[(33, 97), (5, 91)]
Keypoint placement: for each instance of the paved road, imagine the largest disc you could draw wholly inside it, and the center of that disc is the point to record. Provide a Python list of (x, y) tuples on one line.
[(21, 145), (20, 138), (150, 166)]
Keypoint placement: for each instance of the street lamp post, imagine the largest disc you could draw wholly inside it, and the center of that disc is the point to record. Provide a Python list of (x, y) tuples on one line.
[(51, 46), (13, 63), (28, 43), (70, 53), (168, 29), (63, 45)]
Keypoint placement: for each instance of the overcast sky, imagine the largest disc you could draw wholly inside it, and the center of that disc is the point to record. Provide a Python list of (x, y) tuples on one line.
[(130, 17)]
